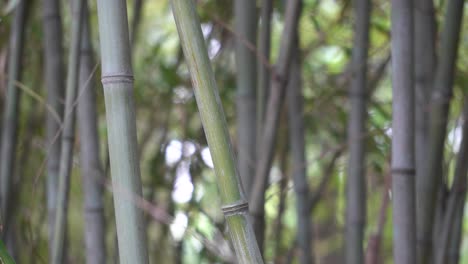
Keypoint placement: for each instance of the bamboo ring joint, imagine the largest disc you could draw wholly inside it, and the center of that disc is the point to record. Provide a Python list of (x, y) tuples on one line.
[(117, 78), (237, 208)]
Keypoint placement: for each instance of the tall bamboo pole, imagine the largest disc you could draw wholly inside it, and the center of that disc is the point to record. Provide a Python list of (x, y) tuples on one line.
[(91, 169), (54, 83), (235, 207), (439, 109), (403, 173), (117, 79), (68, 134), (246, 26), (270, 126), (264, 46), (424, 63), (10, 114), (298, 159), (356, 180)]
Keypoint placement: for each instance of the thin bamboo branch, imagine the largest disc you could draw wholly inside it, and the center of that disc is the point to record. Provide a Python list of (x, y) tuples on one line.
[(68, 133), (439, 109), (10, 114), (235, 207), (117, 79), (91, 170), (403, 171)]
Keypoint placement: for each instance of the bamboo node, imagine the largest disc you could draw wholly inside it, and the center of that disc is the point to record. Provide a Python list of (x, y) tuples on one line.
[(117, 78), (404, 171), (238, 208)]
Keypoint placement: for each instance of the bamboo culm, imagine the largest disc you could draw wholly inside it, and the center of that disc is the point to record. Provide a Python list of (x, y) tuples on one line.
[(91, 170), (403, 172), (298, 158), (10, 114), (54, 83), (117, 79), (246, 27), (235, 207), (424, 63), (68, 134), (439, 109), (270, 125), (356, 180)]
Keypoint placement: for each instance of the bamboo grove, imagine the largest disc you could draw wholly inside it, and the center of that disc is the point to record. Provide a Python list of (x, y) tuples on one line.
[(233, 131)]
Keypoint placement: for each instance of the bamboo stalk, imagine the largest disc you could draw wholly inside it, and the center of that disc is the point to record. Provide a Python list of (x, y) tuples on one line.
[(264, 47), (403, 174), (54, 83), (117, 79), (456, 199), (298, 159), (235, 207), (439, 110), (68, 134), (246, 26), (424, 62), (270, 126), (10, 114), (356, 180), (91, 169)]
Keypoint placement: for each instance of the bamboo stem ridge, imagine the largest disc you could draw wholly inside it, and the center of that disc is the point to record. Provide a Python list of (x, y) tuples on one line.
[(66, 152), (10, 114), (403, 173), (91, 169), (270, 126), (117, 79), (356, 180), (235, 208), (439, 111), (246, 27), (54, 83)]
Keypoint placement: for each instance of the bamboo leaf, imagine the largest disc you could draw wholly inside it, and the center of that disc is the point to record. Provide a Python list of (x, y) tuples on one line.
[(5, 258)]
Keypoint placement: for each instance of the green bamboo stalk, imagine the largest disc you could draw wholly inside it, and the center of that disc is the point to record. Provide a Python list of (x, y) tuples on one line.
[(403, 173), (270, 126), (439, 110), (235, 207), (356, 180), (246, 26), (68, 133), (298, 159), (91, 169), (456, 233), (54, 83), (10, 114), (424, 63), (117, 79)]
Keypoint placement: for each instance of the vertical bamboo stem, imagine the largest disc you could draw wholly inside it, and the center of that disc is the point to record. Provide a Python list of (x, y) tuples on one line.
[(235, 207), (54, 83), (356, 180), (117, 79), (10, 114), (403, 173), (246, 27), (68, 134), (91, 169)]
